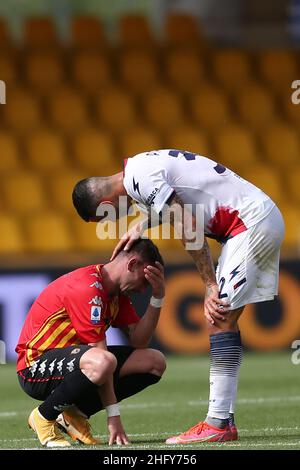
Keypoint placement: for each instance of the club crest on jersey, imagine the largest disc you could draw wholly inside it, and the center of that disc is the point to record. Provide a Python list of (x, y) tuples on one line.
[(95, 315)]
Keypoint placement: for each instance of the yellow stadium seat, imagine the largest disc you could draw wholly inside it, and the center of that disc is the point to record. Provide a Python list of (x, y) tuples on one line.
[(139, 139), (187, 137), (265, 178), (68, 110), (181, 28), (184, 69), (281, 145), (256, 106), (94, 153), (163, 108), (291, 215), (210, 107), (4, 34), (85, 236), (91, 71), (61, 188), (293, 183), (44, 71), (8, 72), (48, 232), (46, 151), (116, 109), (23, 193), (138, 70), (235, 147), (39, 32), (11, 238), (278, 68), (87, 31), (134, 30), (22, 111), (231, 68), (9, 159)]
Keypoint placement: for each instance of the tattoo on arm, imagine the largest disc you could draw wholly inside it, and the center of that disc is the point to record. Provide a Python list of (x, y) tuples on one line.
[(202, 257)]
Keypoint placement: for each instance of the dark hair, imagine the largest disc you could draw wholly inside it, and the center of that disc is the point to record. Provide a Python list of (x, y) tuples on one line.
[(84, 199), (147, 251)]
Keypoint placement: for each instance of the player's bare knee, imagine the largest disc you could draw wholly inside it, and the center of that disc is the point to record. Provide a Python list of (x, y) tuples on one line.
[(157, 362), (223, 326), (98, 365)]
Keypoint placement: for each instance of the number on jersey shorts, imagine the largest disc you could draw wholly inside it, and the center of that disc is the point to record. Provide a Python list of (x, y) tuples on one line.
[(248, 267)]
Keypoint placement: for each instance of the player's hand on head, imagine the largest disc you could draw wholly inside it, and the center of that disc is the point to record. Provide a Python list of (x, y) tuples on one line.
[(127, 240), (117, 434), (156, 278), (214, 308)]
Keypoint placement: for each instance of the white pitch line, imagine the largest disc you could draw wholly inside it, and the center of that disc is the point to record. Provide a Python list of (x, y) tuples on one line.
[(171, 433), (134, 406)]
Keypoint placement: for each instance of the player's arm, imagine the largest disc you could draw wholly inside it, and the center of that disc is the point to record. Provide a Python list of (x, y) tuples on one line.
[(108, 397), (140, 333), (213, 306), (135, 233)]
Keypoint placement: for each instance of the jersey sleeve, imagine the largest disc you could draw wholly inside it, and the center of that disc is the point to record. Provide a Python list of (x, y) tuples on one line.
[(126, 315), (147, 184), (85, 306)]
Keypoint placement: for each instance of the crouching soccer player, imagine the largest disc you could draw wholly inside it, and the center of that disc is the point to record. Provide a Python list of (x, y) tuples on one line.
[(63, 357)]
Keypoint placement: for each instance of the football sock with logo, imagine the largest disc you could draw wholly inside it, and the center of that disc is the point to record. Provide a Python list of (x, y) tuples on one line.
[(225, 361), (124, 387), (75, 385)]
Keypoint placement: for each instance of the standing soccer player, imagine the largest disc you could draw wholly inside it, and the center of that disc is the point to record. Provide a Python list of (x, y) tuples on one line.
[(63, 357), (241, 217)]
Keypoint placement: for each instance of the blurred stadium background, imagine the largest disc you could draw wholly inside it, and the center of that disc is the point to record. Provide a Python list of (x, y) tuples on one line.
[(89, 83)]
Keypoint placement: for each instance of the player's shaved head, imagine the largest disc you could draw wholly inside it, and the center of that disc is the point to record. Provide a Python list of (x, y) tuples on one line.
[(88, 193)]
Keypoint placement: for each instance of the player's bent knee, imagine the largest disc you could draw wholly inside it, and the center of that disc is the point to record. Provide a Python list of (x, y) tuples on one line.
[(157, 362), (230, 324), (98, 364)]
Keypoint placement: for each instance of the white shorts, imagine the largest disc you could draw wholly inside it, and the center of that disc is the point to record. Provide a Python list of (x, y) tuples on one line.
[(248, 267)]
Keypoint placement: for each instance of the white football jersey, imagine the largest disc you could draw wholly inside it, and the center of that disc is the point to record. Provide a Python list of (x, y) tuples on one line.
[(231, 204)]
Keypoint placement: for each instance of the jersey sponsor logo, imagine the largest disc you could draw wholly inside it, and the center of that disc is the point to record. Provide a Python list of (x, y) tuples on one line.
[(151, 197), (96, 301), (95, 315), (135, 186)]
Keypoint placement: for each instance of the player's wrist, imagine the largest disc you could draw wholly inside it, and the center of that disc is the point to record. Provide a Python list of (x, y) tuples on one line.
[(156, 302), (113, 410)]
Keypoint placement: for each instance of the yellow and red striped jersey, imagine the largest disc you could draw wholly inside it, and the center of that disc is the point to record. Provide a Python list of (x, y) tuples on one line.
[(73, 309)]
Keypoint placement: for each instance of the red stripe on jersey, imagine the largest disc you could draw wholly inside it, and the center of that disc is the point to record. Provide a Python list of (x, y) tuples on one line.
[(226, 223)]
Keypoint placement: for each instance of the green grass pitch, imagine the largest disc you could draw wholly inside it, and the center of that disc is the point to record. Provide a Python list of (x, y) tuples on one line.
[(266, 414)]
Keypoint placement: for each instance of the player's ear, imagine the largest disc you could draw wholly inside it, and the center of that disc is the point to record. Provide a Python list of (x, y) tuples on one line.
[(132, 264)]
